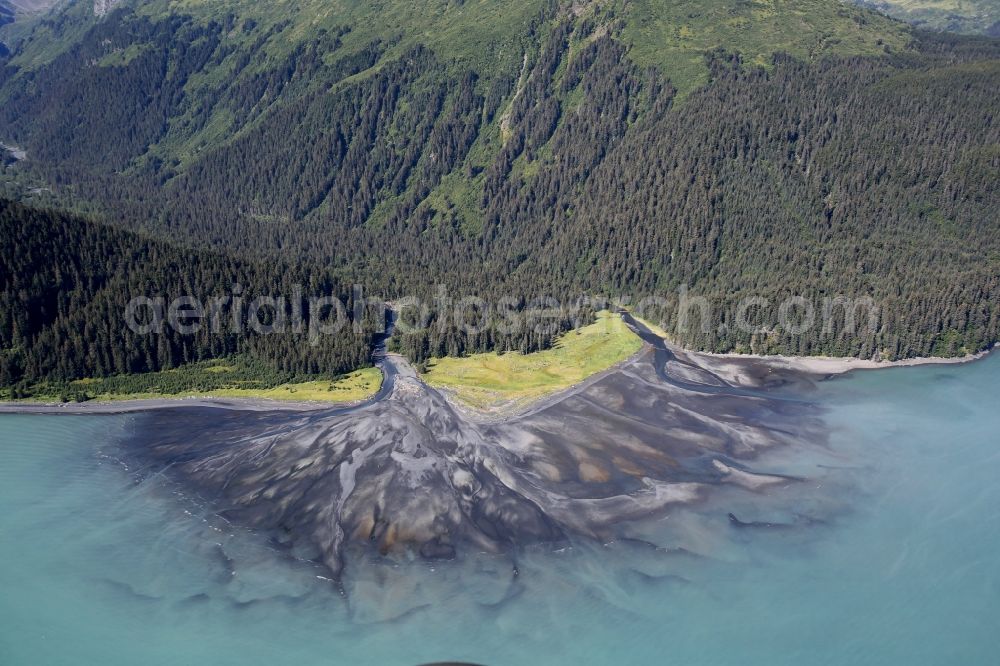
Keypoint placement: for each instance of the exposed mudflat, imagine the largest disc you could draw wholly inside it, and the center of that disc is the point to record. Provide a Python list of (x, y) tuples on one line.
[(406, 474)]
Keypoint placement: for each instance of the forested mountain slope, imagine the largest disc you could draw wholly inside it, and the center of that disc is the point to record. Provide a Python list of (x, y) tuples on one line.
[(530, 148), (66, 283)]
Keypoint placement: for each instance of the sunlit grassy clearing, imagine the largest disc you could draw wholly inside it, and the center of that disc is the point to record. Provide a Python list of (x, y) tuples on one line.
[(352, 387), (509, 380)]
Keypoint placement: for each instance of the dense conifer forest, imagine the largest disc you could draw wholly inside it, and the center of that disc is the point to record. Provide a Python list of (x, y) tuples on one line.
[(556, 158), (67, 285)]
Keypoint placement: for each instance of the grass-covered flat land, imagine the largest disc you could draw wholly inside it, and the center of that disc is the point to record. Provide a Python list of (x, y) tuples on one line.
[(209, 379), (492, 381)]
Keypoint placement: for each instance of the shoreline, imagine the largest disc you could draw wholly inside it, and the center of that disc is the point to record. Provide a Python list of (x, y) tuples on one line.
[(127, 405), (834, 365), (817, 365), (825, 366)]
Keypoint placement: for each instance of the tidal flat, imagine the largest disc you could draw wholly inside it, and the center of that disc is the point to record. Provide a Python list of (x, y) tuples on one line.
[(661, 509), (408, 475)]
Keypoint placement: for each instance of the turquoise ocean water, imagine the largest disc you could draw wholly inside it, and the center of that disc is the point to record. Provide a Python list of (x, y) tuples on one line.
[(887, 553)]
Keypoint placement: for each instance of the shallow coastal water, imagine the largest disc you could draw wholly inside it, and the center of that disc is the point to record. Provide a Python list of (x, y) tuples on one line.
[(887, 554)]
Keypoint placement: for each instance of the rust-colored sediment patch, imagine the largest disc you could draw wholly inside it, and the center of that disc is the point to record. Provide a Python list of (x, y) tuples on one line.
[(593, 473), (628, 467)]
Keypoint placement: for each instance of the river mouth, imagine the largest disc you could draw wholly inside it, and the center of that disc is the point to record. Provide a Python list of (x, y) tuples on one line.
[(406, 476)]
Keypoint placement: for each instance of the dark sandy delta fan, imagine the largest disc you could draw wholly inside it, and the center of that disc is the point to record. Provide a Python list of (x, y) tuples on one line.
[(408, 474)]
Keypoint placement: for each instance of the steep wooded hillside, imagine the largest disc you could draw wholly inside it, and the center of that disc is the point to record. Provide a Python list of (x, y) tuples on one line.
[(535, 148)]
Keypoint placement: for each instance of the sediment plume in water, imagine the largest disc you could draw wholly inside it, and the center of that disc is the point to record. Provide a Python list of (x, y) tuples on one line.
[(406, 474)]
